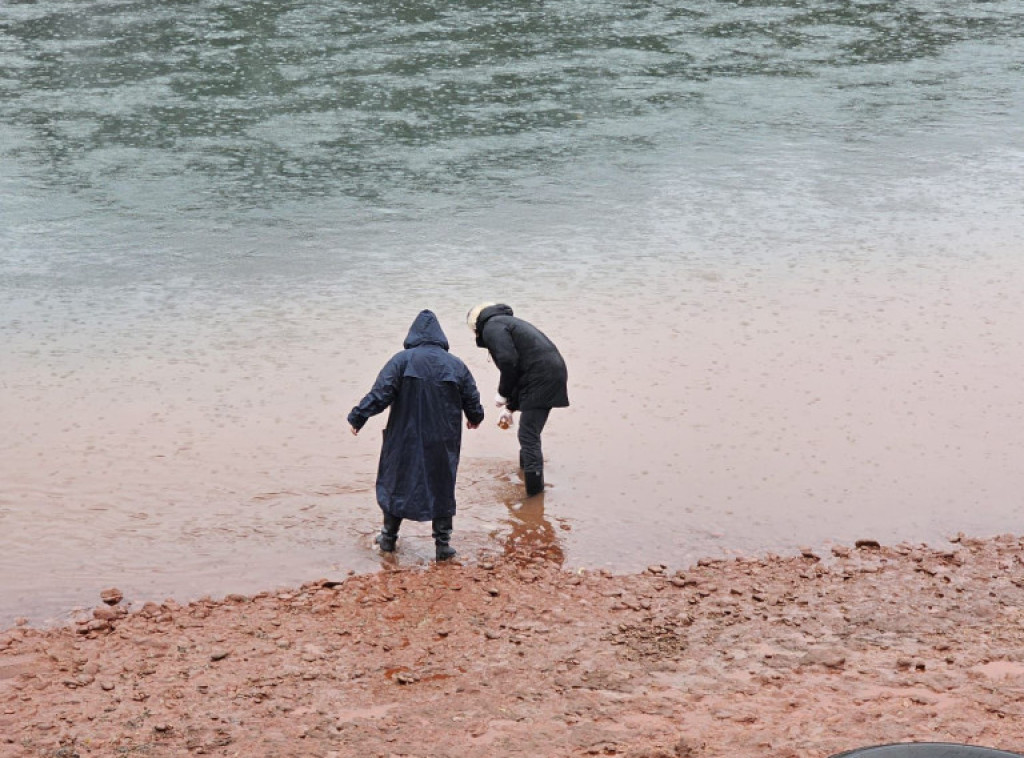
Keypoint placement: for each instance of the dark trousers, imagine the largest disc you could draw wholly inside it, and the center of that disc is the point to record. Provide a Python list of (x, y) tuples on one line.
[(531, 424)]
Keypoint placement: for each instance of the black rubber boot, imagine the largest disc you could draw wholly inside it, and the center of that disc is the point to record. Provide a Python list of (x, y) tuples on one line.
[(442, 537), (388, 537), (534, 482)]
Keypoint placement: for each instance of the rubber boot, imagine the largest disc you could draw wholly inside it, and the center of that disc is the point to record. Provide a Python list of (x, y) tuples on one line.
[(522, 464), (388, 536), (534, 482), (442, 537)]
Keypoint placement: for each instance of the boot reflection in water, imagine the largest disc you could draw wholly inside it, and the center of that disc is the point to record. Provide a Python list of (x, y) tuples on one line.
[(533, 536)]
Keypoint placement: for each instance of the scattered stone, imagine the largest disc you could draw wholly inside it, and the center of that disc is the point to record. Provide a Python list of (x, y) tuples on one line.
[(93, 626), (830, 659), (105, 613), (807, 552), (219, 654), (688, 747), (112, 596)]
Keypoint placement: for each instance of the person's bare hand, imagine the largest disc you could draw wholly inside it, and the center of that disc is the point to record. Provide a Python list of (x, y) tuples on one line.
[(354, 431), (471, 425)]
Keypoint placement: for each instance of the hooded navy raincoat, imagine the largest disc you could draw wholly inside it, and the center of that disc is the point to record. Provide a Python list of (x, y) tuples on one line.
[(428, 390)]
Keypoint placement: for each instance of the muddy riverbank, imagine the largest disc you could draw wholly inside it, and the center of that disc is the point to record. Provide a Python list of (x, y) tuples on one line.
[(791, 656)]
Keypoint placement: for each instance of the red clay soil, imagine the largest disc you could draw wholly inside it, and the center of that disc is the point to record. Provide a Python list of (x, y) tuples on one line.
[(781, 656)]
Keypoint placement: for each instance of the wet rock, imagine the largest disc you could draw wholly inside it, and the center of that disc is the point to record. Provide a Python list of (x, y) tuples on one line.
[(112, 596), (94, 626), (809, 553), (688, 747), (830, 659), (311, 653), (105, 613)]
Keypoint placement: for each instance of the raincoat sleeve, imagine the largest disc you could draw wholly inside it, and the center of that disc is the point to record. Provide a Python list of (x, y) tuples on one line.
[(383, 393), (471, 398), (503, 351)]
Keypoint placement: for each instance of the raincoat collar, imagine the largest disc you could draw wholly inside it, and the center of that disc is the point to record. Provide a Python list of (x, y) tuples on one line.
[(426, 330)]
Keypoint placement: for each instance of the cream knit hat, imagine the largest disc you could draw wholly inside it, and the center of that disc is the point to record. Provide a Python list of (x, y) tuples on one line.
[(474, 314)]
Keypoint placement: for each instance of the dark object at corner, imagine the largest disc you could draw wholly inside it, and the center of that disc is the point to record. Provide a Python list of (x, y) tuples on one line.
[(926, 750)]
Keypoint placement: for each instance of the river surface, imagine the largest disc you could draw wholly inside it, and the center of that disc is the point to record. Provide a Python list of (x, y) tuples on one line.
[(779, 242)]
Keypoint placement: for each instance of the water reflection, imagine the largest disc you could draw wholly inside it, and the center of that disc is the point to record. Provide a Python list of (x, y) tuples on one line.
[(532, 535)]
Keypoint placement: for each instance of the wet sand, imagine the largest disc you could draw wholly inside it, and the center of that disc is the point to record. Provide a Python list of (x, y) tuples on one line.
[(795, 656)]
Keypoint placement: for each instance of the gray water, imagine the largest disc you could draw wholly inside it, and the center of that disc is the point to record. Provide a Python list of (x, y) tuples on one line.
[(780, 244)]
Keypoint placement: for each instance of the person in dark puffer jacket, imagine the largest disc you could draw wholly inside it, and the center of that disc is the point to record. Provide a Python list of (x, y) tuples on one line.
[(534, 378), (428, 390)]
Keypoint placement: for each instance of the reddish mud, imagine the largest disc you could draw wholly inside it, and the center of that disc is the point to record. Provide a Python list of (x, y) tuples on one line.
[(800, 656)]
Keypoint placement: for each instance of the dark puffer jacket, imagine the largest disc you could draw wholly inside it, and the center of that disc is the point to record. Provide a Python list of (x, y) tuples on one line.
[(428, 390), (533, 373)]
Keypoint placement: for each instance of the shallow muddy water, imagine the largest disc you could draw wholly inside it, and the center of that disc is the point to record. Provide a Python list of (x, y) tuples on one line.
[(721, 414)]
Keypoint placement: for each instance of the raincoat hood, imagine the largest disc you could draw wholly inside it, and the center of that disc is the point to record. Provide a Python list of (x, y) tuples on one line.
[(425, 330)]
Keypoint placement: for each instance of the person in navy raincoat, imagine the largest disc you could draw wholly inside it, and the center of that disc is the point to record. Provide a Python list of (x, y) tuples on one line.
[(428, 389)]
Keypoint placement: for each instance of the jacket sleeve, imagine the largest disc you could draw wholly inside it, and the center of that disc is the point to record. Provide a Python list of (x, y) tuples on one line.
[(503, 351), (471, 398), (383, 393)]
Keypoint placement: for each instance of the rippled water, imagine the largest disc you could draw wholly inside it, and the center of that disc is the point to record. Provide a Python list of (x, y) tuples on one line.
[(780, 244)]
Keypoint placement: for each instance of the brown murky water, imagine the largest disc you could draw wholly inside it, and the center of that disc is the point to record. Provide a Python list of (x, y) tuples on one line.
[(714, 412)]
